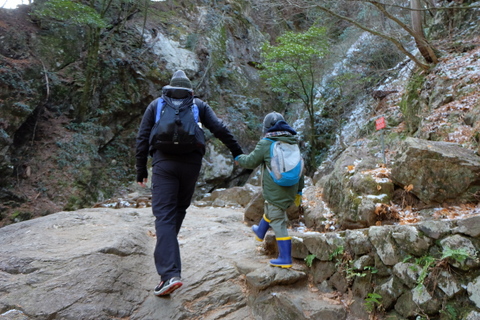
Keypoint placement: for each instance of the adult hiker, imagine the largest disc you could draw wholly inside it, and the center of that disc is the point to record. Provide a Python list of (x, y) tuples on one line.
[(278, 195), (174, 170)]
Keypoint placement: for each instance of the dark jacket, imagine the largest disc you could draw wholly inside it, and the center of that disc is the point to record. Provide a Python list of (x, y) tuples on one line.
[(208, 119)]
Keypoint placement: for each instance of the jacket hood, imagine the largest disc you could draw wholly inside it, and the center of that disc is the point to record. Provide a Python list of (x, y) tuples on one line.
[(282, 126)]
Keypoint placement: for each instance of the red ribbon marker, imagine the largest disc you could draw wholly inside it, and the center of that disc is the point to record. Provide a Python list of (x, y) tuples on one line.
[(380, 123)]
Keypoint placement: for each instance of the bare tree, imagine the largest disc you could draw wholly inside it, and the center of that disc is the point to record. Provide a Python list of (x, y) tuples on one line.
[(417, 24), (416, 10)]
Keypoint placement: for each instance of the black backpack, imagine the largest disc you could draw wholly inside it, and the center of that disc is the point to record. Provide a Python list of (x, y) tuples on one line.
[(177, 129)]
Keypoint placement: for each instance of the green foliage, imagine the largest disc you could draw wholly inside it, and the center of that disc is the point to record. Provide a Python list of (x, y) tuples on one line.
[(450, 312), (338, 251), (410, 104), (427, 263), (373, 301), (70, 12), (95, 161), (18, 216), (459, 255), (351, 272), (345, 263), (192, 40), (309, 260), (292, 65)]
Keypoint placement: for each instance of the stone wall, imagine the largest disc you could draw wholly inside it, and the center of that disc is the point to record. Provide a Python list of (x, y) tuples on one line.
[(426, 269)]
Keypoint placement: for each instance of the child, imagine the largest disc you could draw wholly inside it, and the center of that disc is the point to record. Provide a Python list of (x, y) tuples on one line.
[(277, 198)]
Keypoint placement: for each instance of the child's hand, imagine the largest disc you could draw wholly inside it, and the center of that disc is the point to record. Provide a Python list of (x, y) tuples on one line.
[(298, 199)]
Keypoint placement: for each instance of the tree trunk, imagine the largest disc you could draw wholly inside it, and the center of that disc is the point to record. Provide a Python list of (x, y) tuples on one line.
[(422, 44)]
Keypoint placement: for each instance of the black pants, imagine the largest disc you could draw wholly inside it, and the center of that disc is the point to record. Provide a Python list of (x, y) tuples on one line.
[(173, 184)]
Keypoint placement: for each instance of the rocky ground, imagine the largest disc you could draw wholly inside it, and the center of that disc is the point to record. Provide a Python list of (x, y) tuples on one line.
[(97, 264)]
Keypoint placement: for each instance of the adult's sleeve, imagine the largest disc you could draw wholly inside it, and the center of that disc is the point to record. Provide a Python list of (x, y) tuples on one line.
[(216, 126), (142, 142), (256, 157)]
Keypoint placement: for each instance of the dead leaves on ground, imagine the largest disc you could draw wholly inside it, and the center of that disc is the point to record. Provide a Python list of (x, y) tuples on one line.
[(385, 212)]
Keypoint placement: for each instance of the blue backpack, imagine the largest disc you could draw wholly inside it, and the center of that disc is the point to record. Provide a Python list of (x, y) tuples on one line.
[(286, 163), (177, 130)]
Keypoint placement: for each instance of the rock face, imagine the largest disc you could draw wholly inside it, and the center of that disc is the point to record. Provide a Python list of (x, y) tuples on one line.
[(438, 171), (98, 264), (42, 81), (410, 272), (354, 187)]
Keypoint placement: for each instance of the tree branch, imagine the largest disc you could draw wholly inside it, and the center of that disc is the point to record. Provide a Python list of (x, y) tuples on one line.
[(379, 34)]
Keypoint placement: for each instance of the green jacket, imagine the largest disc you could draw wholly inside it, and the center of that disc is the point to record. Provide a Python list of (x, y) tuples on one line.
[(282, 197)]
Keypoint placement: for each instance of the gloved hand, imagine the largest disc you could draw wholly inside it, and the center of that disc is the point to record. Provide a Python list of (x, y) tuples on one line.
[(142, 174), (237, 152), (298, 199)]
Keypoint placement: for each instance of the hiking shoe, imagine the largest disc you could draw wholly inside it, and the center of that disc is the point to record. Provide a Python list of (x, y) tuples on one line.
[(167, 287)]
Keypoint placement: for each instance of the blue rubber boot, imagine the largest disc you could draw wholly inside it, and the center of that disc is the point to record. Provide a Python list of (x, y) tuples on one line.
[(284, 259), (261, 229)]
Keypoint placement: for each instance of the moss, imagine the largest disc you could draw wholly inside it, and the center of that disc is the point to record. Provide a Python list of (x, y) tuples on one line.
[(18, 216), (356, 201), (61, 45), (21, 110), (410, 104), (73, 203)]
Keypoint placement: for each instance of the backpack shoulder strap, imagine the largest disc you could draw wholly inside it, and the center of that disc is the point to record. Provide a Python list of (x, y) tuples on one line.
[(160, 104), (198, 109)]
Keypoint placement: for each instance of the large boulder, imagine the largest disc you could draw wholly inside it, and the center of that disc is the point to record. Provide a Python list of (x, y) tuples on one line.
[(439, 171), (355, 187), (231, 197), (98, 264)]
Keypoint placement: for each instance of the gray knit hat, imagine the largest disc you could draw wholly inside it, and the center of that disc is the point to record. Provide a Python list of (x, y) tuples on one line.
[(179, 79), (270, 120)]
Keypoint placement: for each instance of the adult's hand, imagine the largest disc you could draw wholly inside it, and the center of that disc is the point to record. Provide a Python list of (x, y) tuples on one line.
[(143, 183)]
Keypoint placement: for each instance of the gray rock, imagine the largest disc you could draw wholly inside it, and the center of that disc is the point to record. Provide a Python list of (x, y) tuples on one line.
[(362, 263), (357, 241), (291, 305), (435, 229), (439, 171), (408, 273), (98, 264), (409, 239), (458, 242), (323, 245), (254, 209), (339, 282), (417, 301), (448, 283), (469, 226), (473, 315), (299, 249), (323, 270), (13, 314), (390, 291), (386, 248), (473, 289), (261, 279), (235, 196), (316, 213)]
